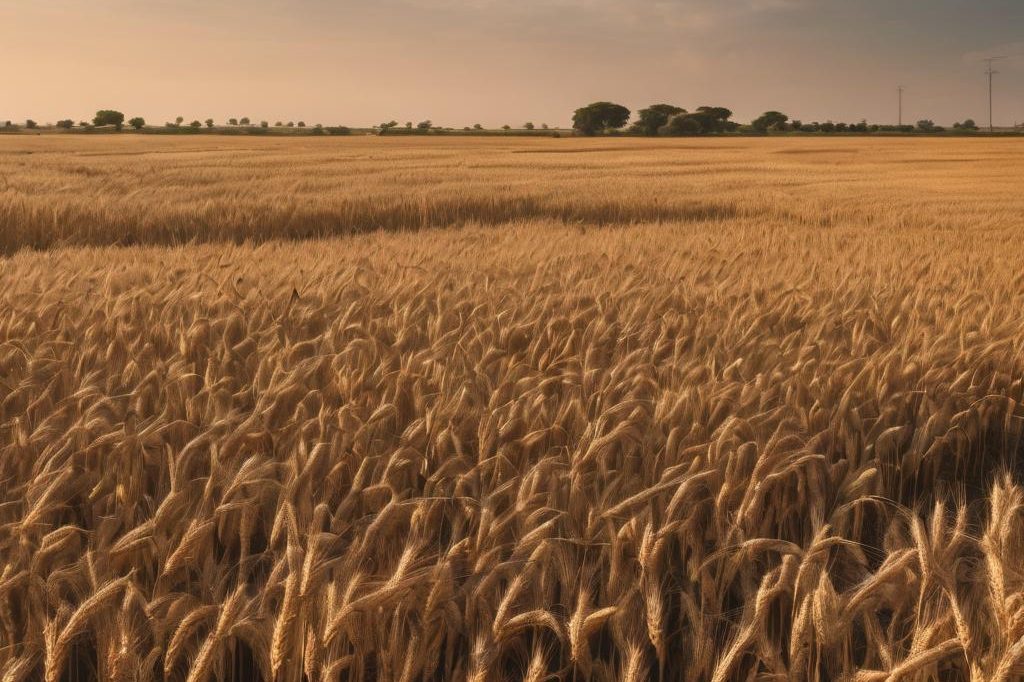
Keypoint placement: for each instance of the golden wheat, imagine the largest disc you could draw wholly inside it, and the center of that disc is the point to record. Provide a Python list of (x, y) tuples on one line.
[(579, 431)]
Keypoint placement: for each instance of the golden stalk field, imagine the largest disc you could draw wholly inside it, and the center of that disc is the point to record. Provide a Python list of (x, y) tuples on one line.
[(528, 409)]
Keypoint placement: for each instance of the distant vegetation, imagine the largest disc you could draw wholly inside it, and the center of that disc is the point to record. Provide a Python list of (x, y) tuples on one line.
[(597, 118)]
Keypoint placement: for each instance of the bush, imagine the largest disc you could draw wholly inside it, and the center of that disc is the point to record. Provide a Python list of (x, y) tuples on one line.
[(340, 130), (66, 124), (31, 125)]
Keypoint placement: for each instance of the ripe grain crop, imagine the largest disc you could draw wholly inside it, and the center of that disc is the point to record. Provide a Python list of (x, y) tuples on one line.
[(773, 442)]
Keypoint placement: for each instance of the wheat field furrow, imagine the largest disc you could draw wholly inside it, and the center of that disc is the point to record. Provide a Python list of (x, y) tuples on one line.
[(779, 442)]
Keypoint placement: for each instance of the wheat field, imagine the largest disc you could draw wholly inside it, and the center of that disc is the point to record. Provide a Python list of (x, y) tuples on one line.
[(532, 409)]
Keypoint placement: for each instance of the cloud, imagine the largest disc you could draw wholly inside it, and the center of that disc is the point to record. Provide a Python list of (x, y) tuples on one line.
[(698, 14)]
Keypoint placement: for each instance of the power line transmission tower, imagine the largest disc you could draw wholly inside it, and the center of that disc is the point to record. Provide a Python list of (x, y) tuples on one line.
[(990, 72), (900, 89)]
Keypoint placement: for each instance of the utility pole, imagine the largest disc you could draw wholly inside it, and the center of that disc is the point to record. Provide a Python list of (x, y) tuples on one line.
[(900, 89), (990, 72)]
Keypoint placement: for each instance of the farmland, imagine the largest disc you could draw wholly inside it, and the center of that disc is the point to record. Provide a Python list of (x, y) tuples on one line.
[(611, 409)]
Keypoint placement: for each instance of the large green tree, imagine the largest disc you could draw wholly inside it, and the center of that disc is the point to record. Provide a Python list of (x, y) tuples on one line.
[(770, 120), (600, 117), (108, 117), (654, 117)]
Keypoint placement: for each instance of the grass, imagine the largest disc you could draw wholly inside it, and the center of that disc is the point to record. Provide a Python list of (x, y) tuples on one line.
[(586, 436)]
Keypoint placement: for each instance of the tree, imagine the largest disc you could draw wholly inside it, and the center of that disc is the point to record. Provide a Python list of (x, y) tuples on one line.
[(108, 117), (209, 123), (796, 124), (600, 117), (291, 124), (969, 124), (278, 124), (138, 123), (655, 117), (424, 125), (318, 129), (926, 125), (178, 121), (770, 120), (682, 124), (244, 121), (264, 124), (302, 124), (232, 121), (506, 127), (408, 125), (714, 119), (30, 124), (528, 125), (195, 125), (477, 126), (66, 124), (544, 126)]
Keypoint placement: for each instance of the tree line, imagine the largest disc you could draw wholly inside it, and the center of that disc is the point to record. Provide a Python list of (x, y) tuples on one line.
[(110, 118), (671, 120), (598, 118)]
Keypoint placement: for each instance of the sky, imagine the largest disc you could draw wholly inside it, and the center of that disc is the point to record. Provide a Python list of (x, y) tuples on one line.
[(460, 62)]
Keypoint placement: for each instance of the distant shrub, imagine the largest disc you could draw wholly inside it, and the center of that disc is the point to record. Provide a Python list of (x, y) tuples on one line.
[(108, 117), (339, 130), (31, 125), (66, 124)]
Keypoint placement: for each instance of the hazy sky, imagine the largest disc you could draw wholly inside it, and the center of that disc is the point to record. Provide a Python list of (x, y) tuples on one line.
[(458, 62)]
